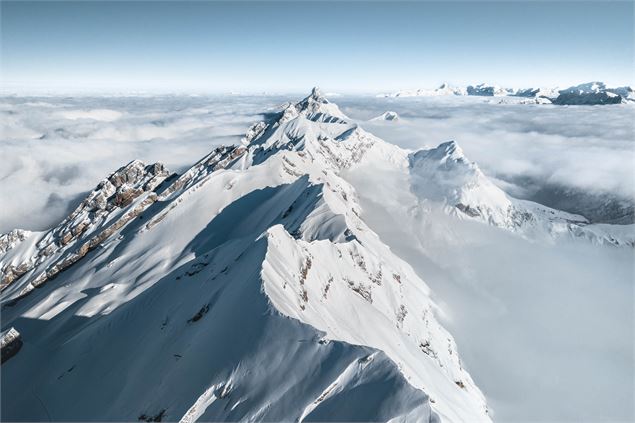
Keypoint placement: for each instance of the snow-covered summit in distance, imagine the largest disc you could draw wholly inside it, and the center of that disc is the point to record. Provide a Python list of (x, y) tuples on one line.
[(161, 296), (590, 93), (441, 90), (388, 115)]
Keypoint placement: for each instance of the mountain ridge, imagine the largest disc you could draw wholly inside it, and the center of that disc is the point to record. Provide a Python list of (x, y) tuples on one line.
[(591, 93), (189, 263), (274, 207)]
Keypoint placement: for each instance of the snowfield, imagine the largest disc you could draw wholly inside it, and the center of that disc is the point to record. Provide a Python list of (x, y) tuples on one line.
[(308, 270)]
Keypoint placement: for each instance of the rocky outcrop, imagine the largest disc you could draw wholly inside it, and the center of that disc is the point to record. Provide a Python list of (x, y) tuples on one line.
[(591, 93), (10, 344), (11, 239), (486, 90), (107, 208)]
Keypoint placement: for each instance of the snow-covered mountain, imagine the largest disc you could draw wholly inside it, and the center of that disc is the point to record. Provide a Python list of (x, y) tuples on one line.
[(246, 288), (591, 93), (249, 287), (486, 90), (441, 90), (389, 115), (444, 176)]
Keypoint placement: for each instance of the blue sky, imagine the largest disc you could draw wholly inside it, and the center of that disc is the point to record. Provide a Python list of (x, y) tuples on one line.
[(289, 46)]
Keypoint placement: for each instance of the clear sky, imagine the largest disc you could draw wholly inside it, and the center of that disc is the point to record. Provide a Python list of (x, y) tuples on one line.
[(289, 46)]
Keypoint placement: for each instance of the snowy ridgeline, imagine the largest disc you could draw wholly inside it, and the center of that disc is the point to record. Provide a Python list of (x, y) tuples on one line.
[(591, 93), (253, 284)]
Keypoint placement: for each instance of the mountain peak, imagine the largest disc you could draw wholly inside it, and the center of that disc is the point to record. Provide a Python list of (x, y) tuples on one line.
[(594, 92), (444, 174), (444, 152), (389, 115), (316, 107), (316, 93)]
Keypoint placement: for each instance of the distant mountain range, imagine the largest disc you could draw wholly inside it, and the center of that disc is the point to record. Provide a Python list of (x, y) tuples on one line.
[(591, 93)]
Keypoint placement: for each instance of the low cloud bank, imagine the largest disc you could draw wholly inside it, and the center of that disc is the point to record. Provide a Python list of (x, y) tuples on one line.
[(545, 329), (62, 147), (56, 149)]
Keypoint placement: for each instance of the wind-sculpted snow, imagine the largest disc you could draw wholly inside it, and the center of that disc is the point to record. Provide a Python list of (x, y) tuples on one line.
[(167, 302)]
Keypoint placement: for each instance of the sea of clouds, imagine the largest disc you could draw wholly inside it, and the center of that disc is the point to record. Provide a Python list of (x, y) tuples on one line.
[(578, 158), (545, 329), (56, 149)]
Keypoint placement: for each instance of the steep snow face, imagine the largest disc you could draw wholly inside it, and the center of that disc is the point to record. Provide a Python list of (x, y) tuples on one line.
[(443, 174), (256, 254)]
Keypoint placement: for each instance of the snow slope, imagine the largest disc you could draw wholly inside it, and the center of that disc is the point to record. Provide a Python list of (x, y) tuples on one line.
[(249, 282)]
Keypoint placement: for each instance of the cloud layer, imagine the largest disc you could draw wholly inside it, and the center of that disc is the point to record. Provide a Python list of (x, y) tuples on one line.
[(55, 149)]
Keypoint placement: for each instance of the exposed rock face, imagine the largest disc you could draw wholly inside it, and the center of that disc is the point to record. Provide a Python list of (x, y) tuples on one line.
[(587, 99), (526, 92), (625, 92), (486, 90), (592, 93), (108, 207), (10, 344), (11, 239)]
